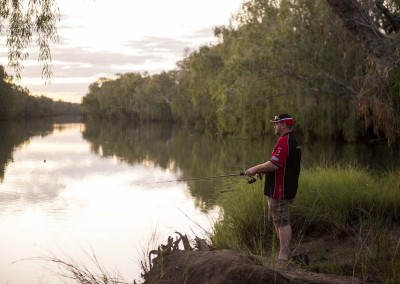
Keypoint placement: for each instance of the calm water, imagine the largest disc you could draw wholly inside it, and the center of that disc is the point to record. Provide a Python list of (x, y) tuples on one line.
[(71, 189)]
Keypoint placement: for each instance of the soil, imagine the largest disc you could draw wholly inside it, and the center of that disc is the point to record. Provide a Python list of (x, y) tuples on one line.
[(227, 266)]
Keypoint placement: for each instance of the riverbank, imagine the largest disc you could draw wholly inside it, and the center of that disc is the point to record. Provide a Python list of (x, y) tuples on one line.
[(344, 218), (228, 266), (345, 225), (322, 259)]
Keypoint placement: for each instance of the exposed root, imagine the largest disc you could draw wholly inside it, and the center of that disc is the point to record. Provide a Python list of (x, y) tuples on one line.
[(171, 246)]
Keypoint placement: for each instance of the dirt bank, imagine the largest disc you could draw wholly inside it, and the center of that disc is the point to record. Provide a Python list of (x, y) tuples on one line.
[(227, 266), (202, 264)]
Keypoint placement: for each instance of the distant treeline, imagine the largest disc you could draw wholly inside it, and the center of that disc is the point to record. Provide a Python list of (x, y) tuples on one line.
[(17, 103), (295, 57)]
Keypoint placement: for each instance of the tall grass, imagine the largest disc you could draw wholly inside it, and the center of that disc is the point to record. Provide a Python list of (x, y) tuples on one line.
[(69, 269), (329, 197), (243, 225), (346, 202)]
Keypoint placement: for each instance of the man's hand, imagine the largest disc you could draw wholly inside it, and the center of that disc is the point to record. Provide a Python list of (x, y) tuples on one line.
[(261, 169), (251, 171)]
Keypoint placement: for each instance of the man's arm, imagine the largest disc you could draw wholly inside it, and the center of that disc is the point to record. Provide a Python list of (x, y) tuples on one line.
[(261, 168)]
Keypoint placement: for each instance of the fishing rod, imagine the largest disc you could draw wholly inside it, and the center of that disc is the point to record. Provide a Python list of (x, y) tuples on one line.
[(250, 180)]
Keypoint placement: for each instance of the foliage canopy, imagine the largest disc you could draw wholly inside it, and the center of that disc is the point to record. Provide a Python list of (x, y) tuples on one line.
[(275, 56)]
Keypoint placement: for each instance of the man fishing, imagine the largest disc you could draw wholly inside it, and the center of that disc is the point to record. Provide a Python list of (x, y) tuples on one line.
[(282, 175)]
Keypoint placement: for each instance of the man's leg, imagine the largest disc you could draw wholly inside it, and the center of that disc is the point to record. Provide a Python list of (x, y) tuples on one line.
[(285, 236), (280, 217)]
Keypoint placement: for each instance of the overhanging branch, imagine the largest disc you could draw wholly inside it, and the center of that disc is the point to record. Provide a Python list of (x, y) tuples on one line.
[(358, 22)]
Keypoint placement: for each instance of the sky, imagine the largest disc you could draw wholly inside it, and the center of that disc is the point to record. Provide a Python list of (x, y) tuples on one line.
[(101, 38)]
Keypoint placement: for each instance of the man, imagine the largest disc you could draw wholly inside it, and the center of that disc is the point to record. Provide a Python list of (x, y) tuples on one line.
[(282, 175)]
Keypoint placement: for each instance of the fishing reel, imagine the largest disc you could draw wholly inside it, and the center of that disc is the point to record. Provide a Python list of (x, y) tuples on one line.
[(250, 180)]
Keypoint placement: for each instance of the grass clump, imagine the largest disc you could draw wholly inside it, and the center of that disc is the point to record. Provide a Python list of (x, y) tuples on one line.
[(243, 224), (79, 272), (346, 205), (330, 198)]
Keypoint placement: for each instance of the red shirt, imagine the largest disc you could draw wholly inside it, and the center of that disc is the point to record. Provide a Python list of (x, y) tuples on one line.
[(283, 183)]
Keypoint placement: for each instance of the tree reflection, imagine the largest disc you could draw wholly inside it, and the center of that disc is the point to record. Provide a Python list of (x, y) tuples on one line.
[(13, 134), (189, 154)]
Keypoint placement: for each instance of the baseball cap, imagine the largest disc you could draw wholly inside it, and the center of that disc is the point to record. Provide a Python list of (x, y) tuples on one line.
[(283, 118)]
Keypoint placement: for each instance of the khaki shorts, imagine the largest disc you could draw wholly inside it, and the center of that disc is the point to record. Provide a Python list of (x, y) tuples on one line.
[(278, 211)]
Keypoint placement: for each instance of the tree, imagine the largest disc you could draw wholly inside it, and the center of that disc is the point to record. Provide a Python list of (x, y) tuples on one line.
[(357, 20), (378, 90), (25, 21)]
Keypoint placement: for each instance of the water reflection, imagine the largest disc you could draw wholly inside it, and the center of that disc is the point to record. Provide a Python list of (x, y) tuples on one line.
[(59, 191), (15, 134), (187, 154), (43, 166)]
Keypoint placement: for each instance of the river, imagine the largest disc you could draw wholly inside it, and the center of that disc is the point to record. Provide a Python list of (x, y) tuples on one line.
[(74, 191)]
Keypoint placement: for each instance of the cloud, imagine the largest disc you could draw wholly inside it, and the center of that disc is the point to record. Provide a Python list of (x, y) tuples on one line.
[(101, 39), (72, 62), (76, 67)]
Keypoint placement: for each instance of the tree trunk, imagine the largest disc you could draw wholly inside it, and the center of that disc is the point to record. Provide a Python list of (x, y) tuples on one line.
[(356, 19)]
